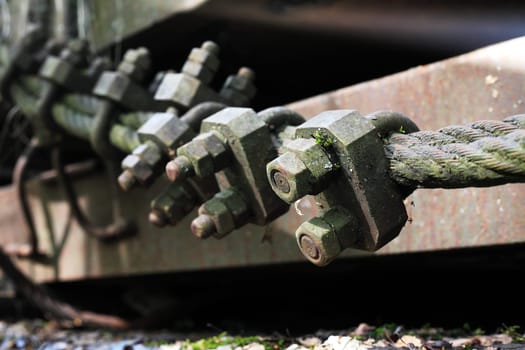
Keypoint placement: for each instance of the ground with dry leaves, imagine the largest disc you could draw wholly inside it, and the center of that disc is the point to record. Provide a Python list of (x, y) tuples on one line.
[(37, 334)]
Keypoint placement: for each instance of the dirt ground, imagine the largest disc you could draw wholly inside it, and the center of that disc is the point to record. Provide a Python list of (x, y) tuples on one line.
[(44, 335)]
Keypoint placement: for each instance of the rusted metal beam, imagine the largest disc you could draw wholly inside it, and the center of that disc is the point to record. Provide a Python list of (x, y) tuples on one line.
[(485, 84)]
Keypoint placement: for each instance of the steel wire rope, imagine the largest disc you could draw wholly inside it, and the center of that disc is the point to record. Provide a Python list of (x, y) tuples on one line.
[(480, 154)]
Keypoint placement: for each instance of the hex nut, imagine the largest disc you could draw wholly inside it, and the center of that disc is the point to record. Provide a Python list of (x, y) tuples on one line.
[(242, 84), (174, 203), (163, 203), (199, 71), (56, 70), (216, 148), (207, 58), (344, 224), (112, 85), (201, 160), (315, 158), (166, 130), (76, 52), (181, 89), (235, 98), (136, 63), (139, 57), (318, 241), (242, 123), (97, 66), (79, 46), (139, 169), (149, 153), (236, 203), (238, 89), (221, 215), (289, 177), (133, 71)]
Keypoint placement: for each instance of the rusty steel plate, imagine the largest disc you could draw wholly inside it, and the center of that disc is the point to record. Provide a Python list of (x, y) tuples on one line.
[(486, 84)]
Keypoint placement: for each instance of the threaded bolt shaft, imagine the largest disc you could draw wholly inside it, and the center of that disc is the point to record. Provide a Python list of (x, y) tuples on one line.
[(157, 218), (203, 226), (247, 73), (127, 180), (211, 47), (179, 169)]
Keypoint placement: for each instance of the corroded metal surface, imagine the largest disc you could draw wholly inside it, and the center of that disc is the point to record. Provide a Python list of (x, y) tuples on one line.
[(10, 218), (485, 84), (107, 22)]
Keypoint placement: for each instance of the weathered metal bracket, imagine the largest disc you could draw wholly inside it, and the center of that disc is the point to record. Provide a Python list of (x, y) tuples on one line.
[(234, 144), (187, 91), (339, 157)]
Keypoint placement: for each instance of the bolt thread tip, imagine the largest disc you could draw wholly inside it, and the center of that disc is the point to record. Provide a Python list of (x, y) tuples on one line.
[(309, 248), (211, 47), (203, 226), (247, 73), (126, 180), (179, 169), (157, 218)]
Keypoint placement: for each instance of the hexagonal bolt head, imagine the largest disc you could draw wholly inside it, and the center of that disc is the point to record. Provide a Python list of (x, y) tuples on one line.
[(320, 238), (301, 171), (166, 130), (139, 169)]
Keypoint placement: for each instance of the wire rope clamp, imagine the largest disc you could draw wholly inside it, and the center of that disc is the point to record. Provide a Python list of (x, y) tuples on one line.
[(339, 157)]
